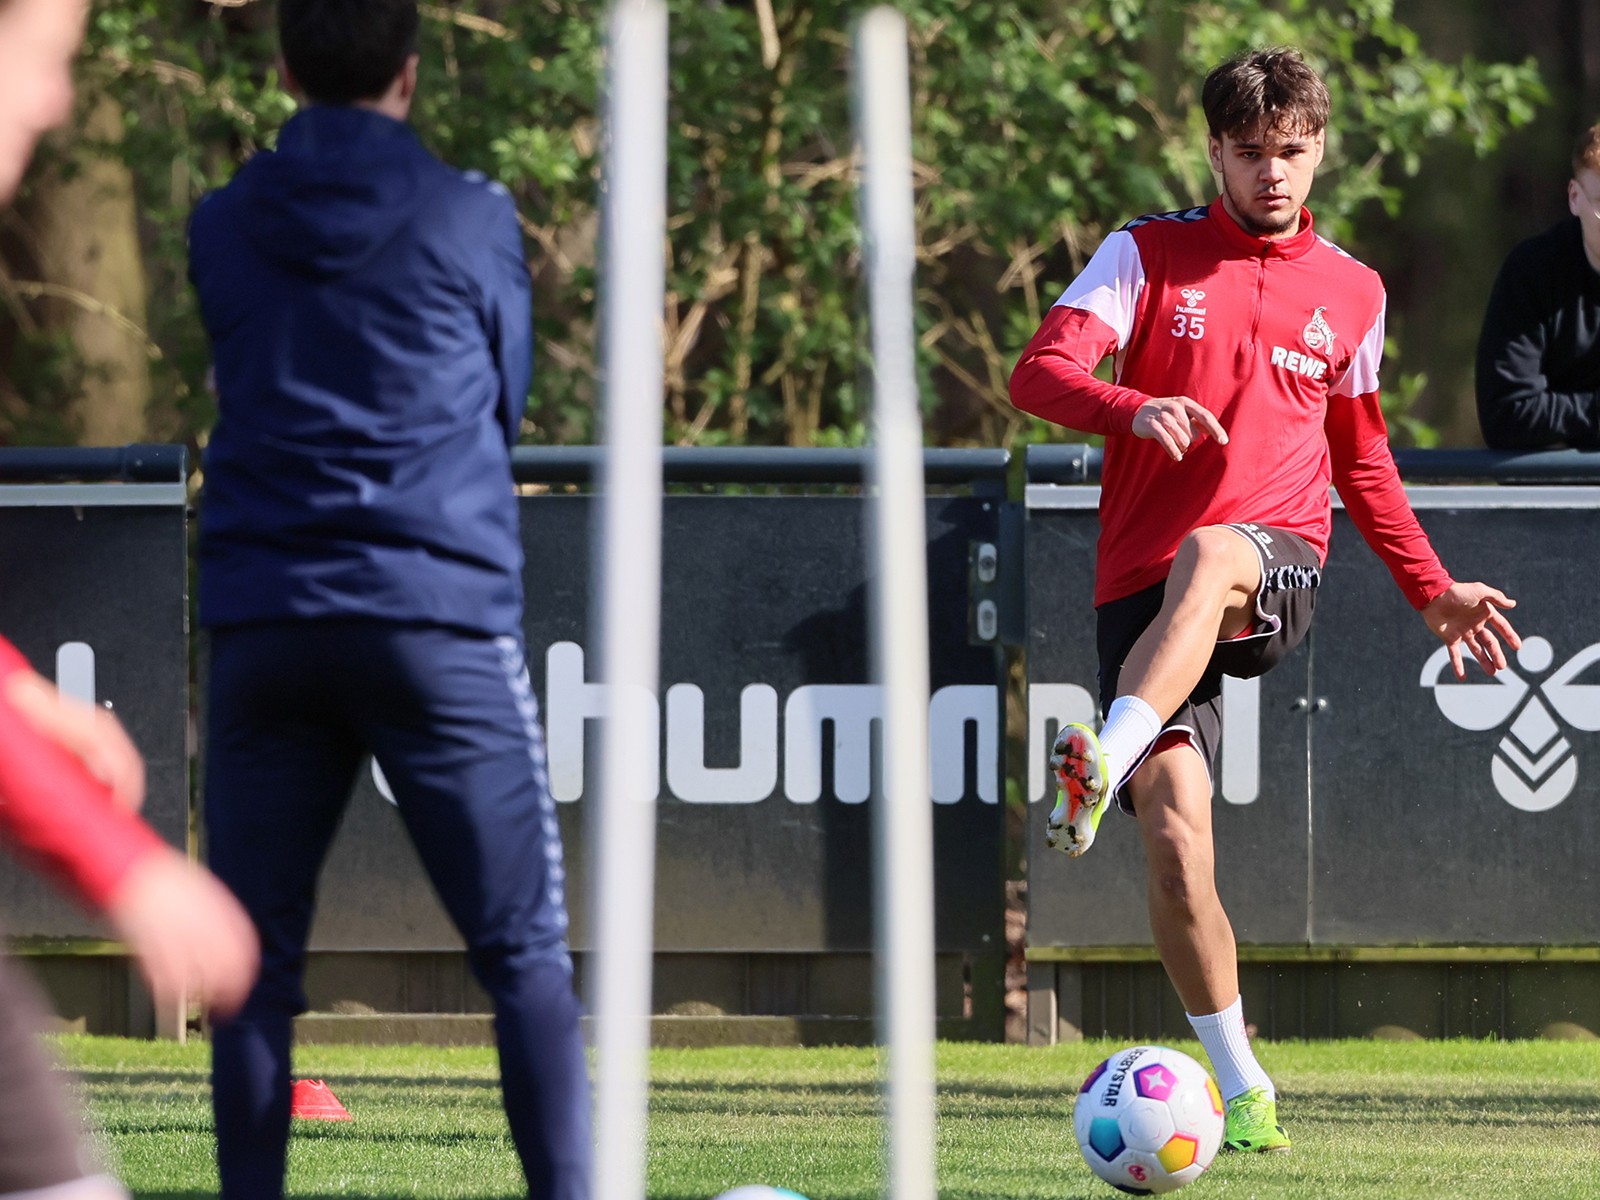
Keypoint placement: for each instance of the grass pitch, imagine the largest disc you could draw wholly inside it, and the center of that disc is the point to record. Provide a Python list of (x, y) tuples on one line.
[(1495, 1120)]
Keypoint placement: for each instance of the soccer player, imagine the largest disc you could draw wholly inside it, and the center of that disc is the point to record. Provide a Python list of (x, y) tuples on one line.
[(1246, 353), (70, 780), (361, 571)]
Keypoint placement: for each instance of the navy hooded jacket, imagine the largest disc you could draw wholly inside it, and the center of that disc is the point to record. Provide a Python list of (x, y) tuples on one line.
[(368, 310)]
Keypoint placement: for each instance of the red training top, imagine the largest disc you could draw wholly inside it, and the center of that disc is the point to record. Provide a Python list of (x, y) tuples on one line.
[(1280, 339), (55, 812)]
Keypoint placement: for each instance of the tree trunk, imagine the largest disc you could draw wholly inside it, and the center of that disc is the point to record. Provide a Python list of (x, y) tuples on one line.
[(91, 281)]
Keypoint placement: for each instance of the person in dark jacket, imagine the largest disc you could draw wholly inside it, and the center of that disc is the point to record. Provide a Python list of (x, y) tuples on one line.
[(1538, 371), (360, 571)]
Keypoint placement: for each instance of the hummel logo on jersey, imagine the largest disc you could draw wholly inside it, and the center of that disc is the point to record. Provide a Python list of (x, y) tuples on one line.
[(1189, 318)]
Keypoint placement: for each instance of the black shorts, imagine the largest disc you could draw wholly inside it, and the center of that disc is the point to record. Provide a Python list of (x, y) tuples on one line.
[(1290, 576), (42, 1143)]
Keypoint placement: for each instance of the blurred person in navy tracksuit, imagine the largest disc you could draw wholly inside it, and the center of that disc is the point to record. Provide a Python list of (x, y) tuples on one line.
[(360, 571)]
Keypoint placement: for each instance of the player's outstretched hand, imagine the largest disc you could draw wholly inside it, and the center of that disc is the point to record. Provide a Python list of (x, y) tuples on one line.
[(1468, 614), (189, 934), (91, 733), (1177, 422)]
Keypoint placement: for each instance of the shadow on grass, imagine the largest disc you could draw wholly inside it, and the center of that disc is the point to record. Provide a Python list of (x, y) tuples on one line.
[(352, 1132), (743, 1097), (336, 1132), (1099, 1193), (1094, 1192), (1563, 1109), (868, 1087), (110, 1076)]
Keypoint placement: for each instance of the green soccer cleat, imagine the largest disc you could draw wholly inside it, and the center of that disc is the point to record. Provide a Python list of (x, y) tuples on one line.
[(1252, 1124), (1084, 790)]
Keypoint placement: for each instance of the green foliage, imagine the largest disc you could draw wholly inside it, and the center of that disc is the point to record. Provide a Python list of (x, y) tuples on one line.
[(1040, 124), (1400, 398), (43, 373)]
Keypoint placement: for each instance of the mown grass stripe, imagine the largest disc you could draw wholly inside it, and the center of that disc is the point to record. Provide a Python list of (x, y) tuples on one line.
[(1398, 1121)]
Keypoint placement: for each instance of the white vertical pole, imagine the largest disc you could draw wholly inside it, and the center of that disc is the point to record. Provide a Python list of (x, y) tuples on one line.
[(627, 598), (903, 830)]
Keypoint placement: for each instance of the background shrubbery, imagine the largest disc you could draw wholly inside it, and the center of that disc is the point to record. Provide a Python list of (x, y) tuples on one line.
[(1041, 124)]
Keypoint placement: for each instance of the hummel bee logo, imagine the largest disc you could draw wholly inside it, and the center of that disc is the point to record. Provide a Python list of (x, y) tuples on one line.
[(1189, 318), (1534, 767)]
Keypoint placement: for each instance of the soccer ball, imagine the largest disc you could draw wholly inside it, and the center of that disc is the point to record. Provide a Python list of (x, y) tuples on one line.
[(759, 1191), (1149, 1120)]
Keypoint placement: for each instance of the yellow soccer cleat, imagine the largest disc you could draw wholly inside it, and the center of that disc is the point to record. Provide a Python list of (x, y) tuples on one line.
[(1252, 1124), (1084, 790)]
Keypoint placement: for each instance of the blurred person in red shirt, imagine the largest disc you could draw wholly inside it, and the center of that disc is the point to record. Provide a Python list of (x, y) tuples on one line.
[(71, 782)]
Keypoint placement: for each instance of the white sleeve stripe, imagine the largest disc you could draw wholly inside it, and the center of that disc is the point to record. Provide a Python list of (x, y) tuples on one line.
[(1110, 284), (1339, 250), (1361, 376)]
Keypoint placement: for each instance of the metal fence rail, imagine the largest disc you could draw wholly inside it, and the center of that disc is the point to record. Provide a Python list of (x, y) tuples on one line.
[(755, 465), (1062, 463), (93, 464), (1079, 462)]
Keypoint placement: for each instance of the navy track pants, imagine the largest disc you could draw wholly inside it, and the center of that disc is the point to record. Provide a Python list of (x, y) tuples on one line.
[(294, 709)]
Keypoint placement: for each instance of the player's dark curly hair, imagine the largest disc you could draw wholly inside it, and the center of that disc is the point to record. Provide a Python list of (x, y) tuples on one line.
[(342, 51), (1270, 88)]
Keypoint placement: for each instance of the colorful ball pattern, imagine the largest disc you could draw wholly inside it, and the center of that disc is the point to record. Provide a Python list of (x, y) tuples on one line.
[(1149, 1120)]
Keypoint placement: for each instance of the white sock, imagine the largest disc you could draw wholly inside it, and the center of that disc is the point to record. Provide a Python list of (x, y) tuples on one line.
[(1227, 1045), (1131, 725)]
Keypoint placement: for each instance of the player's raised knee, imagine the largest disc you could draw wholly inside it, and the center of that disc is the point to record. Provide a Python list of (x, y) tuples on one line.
[(1219, 553)]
